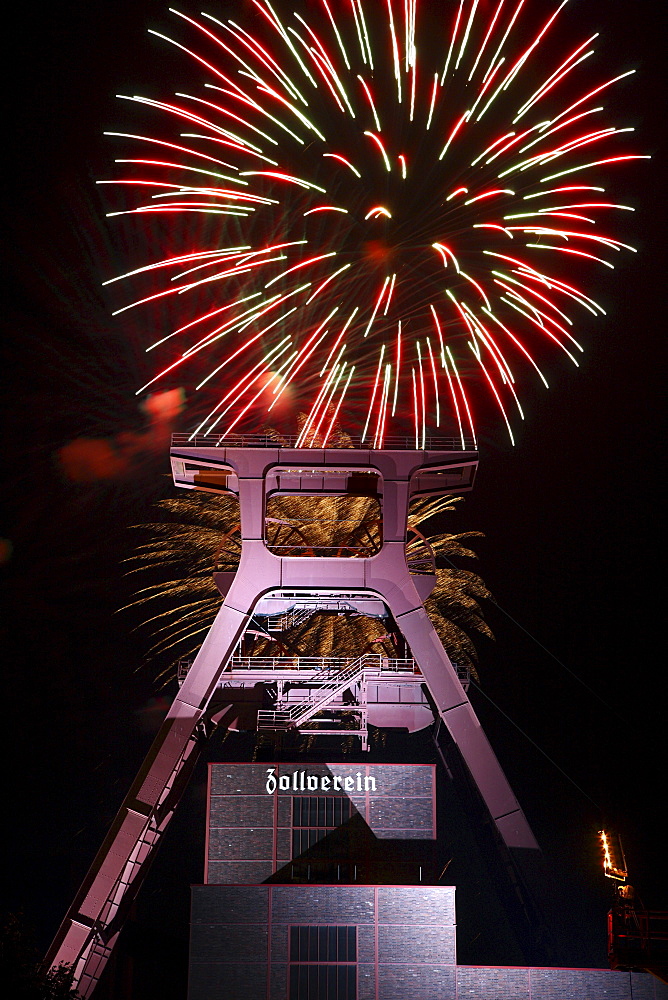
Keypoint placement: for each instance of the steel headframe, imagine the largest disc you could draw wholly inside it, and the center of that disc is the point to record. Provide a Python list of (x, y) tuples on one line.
[(256, 469)]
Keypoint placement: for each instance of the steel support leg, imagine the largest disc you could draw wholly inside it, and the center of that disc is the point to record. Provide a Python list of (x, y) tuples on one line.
[(462, 723), (87, 935)]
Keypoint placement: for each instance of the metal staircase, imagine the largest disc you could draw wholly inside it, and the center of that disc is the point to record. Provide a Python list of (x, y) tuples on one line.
[(288, 620), (297, 714)]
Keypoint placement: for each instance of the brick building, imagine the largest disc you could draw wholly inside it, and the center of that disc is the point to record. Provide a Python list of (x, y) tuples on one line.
[(320, 884)]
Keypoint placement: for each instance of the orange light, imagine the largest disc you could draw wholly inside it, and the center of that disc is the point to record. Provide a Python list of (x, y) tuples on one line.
[(611, 866)]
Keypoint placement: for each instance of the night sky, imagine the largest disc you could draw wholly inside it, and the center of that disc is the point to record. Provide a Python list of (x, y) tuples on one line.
[(573, 518)]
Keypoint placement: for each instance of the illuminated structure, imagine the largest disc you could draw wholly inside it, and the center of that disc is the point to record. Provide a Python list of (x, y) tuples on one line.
[(322, 881), (637, 938), (311, 871), (270, 584)]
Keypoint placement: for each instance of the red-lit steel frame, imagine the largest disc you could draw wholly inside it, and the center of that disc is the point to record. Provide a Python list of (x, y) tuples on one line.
[(255, 470)]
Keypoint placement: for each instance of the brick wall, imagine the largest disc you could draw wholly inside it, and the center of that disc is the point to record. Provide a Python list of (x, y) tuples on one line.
[(405, 938), (405, 933), (480, 983), (250, 831), (405, 948)]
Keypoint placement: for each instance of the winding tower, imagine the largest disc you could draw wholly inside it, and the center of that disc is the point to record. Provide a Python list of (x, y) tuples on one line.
[(283, 577)]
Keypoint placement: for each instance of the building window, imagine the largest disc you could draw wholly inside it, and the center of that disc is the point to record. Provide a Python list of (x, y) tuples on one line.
[(314, 816), (323, 963)]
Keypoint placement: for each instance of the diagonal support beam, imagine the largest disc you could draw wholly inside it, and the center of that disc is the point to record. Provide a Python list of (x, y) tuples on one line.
[(458, 715), (87, 934)]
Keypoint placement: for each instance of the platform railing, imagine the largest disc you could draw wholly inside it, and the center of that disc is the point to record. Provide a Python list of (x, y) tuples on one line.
[(394, 443), (324, 664), (638, 939), (321, 664)]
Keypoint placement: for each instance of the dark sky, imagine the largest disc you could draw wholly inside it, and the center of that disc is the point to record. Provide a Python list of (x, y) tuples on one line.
[(573, 516)]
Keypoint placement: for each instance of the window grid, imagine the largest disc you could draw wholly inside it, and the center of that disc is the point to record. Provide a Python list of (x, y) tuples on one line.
[(323, 963), (314, 816)]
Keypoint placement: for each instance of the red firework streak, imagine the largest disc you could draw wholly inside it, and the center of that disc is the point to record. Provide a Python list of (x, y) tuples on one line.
[(375, 204)]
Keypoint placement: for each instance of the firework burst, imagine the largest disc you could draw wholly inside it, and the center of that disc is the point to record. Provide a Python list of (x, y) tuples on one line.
[(372, 209), (201, 535)]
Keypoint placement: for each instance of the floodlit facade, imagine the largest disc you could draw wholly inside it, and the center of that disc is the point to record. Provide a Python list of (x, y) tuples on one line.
[(312, 892)]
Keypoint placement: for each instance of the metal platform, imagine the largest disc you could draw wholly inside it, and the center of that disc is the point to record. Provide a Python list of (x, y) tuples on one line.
[(378, 690)]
